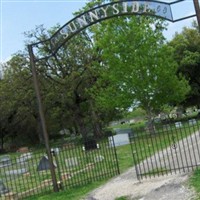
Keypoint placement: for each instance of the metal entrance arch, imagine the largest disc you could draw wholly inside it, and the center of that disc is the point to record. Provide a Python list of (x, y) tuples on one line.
[(81, 22)]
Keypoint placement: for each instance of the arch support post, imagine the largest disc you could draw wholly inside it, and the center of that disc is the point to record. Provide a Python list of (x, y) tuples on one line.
[(42, 118), (197, 10)]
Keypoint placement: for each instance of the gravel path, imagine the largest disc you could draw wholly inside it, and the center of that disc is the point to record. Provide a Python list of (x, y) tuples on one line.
[(171, 187)]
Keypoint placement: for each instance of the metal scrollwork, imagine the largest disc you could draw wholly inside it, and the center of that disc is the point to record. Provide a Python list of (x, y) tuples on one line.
[(174, 145), (165, 10)]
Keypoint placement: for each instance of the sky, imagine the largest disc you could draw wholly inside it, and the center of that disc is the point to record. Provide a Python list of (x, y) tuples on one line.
[(19, 16)]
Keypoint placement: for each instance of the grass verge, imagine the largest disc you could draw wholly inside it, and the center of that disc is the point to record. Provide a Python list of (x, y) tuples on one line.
[(195, 182)]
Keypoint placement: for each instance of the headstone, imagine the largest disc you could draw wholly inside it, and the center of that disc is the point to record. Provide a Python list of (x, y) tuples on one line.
[(3, 189), (90, 144), (44, 164), (16, 172), (24, 157), (99, 158), (68, 146), (178, 124), (5, 161), (166, 127), (55, 150), (192, 121), (71, 162), (119, 140)]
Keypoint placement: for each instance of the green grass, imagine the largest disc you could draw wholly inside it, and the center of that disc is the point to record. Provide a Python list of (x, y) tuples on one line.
[(77, 193), (195, 182)]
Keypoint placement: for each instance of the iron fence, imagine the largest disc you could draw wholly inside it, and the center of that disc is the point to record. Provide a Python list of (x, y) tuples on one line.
[(75, 163), (168, 148)]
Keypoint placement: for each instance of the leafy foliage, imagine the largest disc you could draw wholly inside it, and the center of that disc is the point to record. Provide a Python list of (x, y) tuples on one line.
[(187, 53)]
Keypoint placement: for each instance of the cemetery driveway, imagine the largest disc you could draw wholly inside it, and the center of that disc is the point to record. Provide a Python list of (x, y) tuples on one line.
[(169, 187)]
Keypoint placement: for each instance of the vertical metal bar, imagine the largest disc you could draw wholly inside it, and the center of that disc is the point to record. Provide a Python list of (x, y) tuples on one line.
[(189, 151), (158, 151), (154, 155), (145, 139), (134, 158), (166, 144), (103, 151), (197, 10), (183, 141), (171, 151), (115, 153), (196, 140), (42, 118), (136, 162), (192, 144), (161, 132), (141, 154), (175, 146)]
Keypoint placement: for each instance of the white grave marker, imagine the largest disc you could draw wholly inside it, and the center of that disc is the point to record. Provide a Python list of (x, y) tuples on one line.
[(24, 157), (5, 161), (71, 162), (192, 121), (119, 140), (178, 124)]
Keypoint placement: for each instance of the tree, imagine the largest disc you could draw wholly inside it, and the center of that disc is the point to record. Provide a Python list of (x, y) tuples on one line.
[(187, 53), (18, 110), (137, 65)]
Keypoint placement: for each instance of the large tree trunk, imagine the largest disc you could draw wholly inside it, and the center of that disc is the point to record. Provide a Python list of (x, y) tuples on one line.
[(150, 125), (96, 122)]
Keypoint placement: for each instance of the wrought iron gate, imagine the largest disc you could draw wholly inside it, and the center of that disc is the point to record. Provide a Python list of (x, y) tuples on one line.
[(170, 148)]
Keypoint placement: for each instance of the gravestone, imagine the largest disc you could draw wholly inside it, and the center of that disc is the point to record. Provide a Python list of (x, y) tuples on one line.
[(5, 161), (166, 127), (24, 157), (99, 158), (90, 144), (71, 162), (3, 189), (119, 140), (178, 124), (44, 164), (55, 150), (16, 172), (192, 121)]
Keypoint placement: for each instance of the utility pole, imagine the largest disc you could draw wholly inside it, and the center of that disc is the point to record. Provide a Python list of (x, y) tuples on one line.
[(197, 10), (42, 118)]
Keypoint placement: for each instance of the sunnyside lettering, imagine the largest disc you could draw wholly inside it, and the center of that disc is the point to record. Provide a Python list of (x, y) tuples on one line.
[(107, 11)]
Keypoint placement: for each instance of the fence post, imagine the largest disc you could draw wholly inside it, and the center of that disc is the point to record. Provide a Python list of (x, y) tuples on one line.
[(134, 159), (42, 118), (115, 150)]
